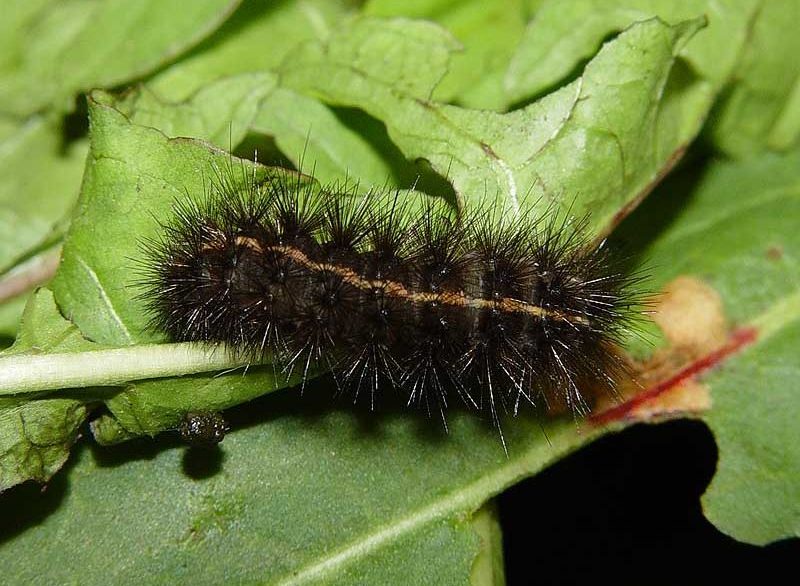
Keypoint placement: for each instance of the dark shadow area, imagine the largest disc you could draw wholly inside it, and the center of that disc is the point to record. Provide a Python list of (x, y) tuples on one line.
[(428, 181), (661, 209), (143, 448), (374, 132), (319, 399), (715, 116), (29, 504), (311, 405), (417, 175), (314, 404), (75, 125), (260, 147), (626, 510), (199, 463)]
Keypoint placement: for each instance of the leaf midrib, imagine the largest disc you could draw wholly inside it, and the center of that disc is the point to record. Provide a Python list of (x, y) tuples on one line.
[(465, 499)]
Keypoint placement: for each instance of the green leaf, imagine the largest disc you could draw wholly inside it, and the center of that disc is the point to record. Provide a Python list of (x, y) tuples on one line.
[(737, 231), (220, 112), (56, 49), (48, 52), (10, 314), (39, 181), (315, 139), (563, 36), (136, 175), (304, 495), (745, 45), (595, 145), (36, 435), (489, 33), (755, 494), (256, 39), (762, 109)]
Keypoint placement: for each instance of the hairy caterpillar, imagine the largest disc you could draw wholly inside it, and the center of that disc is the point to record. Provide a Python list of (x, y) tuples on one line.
[(494, 311)]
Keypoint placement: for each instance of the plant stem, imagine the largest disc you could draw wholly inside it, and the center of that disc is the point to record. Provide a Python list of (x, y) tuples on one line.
[(25, 373)]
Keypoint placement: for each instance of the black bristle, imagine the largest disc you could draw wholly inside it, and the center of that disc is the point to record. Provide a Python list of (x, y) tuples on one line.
[(495, 312)]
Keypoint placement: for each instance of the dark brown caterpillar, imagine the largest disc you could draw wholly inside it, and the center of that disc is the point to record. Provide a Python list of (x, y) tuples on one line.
[(494, 310)]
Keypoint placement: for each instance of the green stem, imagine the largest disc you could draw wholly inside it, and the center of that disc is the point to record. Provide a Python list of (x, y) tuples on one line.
[(25, 373)]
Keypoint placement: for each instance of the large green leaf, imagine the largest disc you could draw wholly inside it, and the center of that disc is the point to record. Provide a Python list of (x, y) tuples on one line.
[(762, 108), (596, 144), (220, 112), (743, 49), (134, 175), (306, 495), (317, 140), (489, 33), (54, 49), (562, 36), (737, 231), (256, 39)]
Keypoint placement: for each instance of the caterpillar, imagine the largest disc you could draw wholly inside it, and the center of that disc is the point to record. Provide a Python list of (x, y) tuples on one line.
[(490, 310)]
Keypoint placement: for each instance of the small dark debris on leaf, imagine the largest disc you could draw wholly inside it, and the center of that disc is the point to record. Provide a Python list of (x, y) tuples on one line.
[(203, 429)]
